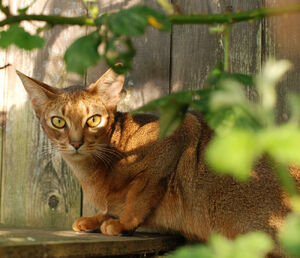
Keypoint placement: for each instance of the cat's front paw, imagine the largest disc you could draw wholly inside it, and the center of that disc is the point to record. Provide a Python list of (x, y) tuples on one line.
[(86, 224), (112, 227)]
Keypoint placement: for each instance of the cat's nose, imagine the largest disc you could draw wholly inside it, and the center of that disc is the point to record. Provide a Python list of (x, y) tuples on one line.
[(76, 144)]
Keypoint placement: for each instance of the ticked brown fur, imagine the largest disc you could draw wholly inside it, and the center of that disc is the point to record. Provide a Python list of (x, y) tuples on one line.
[(136, 179)]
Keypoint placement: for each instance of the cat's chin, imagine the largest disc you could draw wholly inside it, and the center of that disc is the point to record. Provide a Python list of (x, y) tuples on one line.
[(74, 155)]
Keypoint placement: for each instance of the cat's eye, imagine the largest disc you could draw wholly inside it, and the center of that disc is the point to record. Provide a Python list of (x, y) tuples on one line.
[(94, 121), (58, 122)]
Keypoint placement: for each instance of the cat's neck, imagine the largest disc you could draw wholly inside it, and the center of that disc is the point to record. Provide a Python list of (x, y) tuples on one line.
[(84, 168)]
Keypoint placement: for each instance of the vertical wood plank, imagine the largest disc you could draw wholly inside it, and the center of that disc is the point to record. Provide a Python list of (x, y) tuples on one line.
[(245, 42), (149, 77), (37, 187), (2, 109), (282, 37), (195, 51)]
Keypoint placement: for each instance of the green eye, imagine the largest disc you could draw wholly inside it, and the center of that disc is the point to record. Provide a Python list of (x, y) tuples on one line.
[(58, 122), (93, 121)]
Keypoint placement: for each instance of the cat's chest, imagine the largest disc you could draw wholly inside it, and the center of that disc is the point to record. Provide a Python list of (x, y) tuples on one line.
[(102, 192), (95, 189)]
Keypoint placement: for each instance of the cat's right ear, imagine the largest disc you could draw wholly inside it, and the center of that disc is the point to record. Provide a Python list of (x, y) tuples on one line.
[(40, 93), (109, 87)]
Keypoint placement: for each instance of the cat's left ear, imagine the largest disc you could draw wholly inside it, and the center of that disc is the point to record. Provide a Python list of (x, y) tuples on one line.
[(109, 87)]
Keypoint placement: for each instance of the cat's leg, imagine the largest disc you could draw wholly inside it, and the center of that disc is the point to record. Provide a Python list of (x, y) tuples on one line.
[(141, 199), (89, 224)]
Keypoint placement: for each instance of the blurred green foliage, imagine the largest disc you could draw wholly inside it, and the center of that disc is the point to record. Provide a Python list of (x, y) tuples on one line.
[(244, 131), (16, 35), (254, 244)]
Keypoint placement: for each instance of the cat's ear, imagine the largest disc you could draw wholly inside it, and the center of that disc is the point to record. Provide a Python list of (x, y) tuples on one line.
[(109, 87), (39, 92)]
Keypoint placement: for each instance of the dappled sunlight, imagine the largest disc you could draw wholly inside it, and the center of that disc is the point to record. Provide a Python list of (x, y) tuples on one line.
[(16, 239), (4, 232)]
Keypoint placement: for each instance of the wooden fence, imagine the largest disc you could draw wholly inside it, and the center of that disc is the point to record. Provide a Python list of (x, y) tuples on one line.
[(37, 188)]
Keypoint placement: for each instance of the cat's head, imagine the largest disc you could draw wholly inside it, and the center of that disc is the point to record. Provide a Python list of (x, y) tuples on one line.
[(76, 119)]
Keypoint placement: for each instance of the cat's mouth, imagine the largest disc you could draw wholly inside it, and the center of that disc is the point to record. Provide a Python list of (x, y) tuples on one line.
[(77, 153)]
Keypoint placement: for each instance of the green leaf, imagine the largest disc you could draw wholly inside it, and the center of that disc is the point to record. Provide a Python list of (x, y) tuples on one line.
[(282, 143), (155, 105), (251, 245), (233, 153), (133, 21), (23, 10), (101, 19), (271, 73), (127, 22), (172, 114), (227, 119), (199, 251), (119, 50), (229, 93), (290, 235), (215, 75), (18, 36), (167, 6), (94, 10), (241, 78), (83, 53)]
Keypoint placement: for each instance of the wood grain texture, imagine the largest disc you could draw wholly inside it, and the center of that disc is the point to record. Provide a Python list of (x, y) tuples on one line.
[(245, 42), (33, 243), (3, 79), (195, 51), (281, 41), (37, 187), (149, 77)]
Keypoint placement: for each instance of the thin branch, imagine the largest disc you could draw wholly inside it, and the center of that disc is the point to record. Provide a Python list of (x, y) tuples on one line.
[(5, 66), (239, 16), (51, 19), (224, 18)]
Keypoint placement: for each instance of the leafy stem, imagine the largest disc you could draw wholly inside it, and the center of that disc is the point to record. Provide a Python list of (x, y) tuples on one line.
[(223, 18), (226, 37), (234, 17), (51, 19)]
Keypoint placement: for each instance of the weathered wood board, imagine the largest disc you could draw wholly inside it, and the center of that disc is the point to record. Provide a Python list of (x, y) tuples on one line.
[(281, 41), (36, 243), (195, 51), (149, 77), (2, 109), (37, 188)]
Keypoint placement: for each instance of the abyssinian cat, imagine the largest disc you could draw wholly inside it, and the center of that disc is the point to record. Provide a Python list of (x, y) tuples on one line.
[(135, 178)]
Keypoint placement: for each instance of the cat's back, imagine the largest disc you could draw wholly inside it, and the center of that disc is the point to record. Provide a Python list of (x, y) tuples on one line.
[(200, 201)]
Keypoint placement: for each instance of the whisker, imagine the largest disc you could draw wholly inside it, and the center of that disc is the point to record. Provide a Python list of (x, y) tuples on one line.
[(109, 149), (114, 152), (105, 162)]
